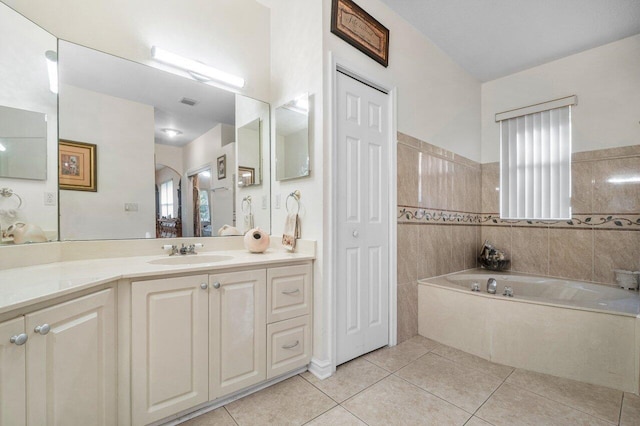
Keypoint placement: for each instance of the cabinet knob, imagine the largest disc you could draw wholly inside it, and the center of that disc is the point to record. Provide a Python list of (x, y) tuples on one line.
[(204, 286), (355, 234), (42, 329), (19, 339), (216, 285)]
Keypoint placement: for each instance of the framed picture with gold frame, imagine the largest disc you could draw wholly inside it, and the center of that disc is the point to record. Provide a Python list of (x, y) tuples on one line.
[(247, 176), (77, 166)]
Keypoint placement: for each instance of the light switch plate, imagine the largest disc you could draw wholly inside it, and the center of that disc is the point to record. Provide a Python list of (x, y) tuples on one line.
[(265, 201), (278, 201), (131, 207)]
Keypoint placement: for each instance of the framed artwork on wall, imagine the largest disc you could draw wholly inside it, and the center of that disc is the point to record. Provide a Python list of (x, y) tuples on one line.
[(222, 166), (355, 26), (77, 166), (247, 176)]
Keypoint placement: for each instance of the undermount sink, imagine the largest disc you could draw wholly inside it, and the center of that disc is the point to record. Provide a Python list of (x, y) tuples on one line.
[(191, 259)]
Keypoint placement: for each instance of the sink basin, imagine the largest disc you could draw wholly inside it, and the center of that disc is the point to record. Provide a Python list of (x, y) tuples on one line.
[(191, 259)]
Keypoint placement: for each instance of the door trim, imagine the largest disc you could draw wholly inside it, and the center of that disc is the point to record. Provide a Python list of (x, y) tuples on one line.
[(340, 65)]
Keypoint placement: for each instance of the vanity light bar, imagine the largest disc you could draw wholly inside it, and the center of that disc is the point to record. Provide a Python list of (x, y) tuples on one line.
[(52, 69), (195, 67)]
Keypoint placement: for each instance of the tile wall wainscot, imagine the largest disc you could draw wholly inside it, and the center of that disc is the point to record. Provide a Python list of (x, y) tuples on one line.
[(603, 234), (448, 205), (438, 221)]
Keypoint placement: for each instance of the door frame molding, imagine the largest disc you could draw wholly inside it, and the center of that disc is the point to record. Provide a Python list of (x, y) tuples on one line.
[(337, 63)]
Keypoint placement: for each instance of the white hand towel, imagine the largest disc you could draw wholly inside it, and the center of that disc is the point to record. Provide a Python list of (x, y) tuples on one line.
[(291, 231)]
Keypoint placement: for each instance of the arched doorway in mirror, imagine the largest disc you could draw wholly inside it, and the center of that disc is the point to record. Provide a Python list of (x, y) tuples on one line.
[(168, 202)]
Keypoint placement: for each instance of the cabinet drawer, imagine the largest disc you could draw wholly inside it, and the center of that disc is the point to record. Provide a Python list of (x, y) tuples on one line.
[(288, 345), (288, 292)]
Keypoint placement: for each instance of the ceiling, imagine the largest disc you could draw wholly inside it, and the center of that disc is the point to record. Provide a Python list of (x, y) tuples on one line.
[(494, 38), (103, 73)]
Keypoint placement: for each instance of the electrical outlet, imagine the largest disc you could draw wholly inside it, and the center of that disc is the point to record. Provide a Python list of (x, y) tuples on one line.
[(49, 198), (278, 201), (131, 207)]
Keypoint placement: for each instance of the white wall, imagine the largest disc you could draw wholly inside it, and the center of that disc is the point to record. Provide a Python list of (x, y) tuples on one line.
[(230, 35), (606, 80), (170, 156), (123, 132)]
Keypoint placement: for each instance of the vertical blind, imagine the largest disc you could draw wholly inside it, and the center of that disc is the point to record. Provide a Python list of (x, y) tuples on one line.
[(535, 165)]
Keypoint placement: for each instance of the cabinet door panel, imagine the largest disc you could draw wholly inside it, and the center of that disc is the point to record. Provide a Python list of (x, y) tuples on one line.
[(169, 347), (71, 371), (12, 375), (238, 331)]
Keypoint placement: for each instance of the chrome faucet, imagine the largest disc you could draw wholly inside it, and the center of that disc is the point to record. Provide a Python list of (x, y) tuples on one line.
[(508, 291), (492, 285)]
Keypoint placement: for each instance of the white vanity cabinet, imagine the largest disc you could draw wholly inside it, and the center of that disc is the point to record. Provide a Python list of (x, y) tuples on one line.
[(65, 372), (169, 346), (199, 338), (237, 325), (13, 407)]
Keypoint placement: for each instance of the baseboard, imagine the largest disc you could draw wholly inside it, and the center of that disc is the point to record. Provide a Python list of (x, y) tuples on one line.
[(321, 369)]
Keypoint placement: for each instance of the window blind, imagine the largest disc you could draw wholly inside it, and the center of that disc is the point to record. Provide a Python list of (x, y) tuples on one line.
[(535, 165)]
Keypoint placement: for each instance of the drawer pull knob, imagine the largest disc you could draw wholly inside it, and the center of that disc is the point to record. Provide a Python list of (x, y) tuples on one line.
[(204, 286), (42, 329), (291, 346), (19, 339), (297, 290), (216, 285)]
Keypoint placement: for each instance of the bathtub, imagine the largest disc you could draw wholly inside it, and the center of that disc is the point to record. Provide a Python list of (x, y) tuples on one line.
[(581, 331)]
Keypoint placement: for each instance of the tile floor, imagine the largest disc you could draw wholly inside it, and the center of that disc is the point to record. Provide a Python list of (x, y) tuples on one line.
[(420, 382)]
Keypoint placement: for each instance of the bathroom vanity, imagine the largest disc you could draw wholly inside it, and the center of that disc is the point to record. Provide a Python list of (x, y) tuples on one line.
[(144, 339)]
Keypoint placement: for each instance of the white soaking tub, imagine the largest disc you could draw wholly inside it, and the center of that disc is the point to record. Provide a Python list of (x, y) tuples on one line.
[(581, 331)]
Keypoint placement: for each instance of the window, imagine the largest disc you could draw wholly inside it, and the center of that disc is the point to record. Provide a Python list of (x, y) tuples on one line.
[(535, 161), (166, 199)]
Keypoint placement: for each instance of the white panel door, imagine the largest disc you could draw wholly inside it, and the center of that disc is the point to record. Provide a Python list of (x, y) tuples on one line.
[(71, 364), (12, 373), (362, 283), (237, 351), (169, 346)]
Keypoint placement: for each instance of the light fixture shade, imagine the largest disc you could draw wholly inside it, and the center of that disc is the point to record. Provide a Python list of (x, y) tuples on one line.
[(195, 67), (52, 69), (172, 132)]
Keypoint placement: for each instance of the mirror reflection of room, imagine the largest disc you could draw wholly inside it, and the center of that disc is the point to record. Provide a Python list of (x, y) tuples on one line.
[(154, 132), (292, 139), (28, 129)]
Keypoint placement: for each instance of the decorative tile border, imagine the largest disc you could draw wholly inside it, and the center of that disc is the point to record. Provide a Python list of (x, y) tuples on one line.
[(409, 214)]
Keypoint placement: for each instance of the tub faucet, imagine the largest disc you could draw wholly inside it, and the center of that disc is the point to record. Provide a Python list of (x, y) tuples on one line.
[(492, 285)]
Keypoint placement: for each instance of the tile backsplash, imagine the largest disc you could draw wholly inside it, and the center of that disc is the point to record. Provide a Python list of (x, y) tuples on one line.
[(448, 205)]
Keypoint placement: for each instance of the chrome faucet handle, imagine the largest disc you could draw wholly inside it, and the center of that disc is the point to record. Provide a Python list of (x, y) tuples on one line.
[(508, 291)]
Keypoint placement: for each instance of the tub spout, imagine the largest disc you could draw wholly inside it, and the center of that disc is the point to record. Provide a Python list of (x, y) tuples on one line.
[(492, 285)]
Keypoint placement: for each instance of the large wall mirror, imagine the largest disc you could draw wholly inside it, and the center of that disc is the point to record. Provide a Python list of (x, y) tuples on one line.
[(292, 139), (165, 145), (28, 126)]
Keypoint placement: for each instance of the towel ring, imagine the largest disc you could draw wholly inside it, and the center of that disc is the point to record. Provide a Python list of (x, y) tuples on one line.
[(246, 201), (8, 192), (296, 197)]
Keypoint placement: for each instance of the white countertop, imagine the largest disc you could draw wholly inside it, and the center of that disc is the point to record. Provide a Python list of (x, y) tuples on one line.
[(20, 287)]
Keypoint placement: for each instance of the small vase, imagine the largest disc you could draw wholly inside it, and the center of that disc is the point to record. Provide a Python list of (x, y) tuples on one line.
[(256, 240)]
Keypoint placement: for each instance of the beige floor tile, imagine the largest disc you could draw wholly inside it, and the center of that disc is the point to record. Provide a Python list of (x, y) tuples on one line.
[(461, 385), (630, 410), (393, 401), (476, 421), (349, 379), (595, 400), (513, 406), (396, 357), (481, 364), (291, 402), (337, 416), (217, 417)]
